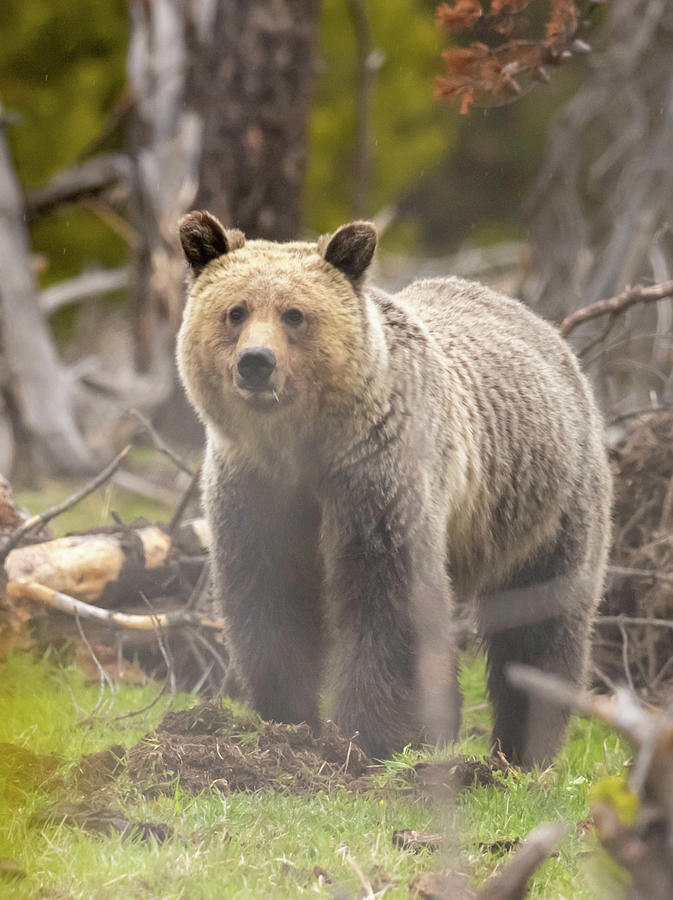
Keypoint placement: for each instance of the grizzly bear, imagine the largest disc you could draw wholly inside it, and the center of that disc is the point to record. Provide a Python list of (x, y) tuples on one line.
[(377, 466)]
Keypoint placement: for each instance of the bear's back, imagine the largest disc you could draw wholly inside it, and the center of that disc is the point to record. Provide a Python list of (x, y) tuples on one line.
[(520, 407), (496, 344)]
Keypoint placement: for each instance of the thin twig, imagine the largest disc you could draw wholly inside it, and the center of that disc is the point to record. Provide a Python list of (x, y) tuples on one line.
[(170, 671), (44, 517), (164, 649), (147, 707), (194, 601), (607, 681), (160, 444), (599, 338), (617, 304), (621, 621), (204, 668), (103, 675), (184, 501), (625, 655), (647, 574), (23, 588), (224, 665)]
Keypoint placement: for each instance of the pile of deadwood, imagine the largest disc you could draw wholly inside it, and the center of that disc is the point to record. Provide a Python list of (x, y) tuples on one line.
[(128, 592), (634, 635)]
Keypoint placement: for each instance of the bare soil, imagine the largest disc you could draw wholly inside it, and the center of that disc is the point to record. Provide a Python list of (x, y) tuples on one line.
[(211, 748), (208, 747)]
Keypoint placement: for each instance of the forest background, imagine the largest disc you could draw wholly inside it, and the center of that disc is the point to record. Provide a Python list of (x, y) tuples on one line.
[(538, 197)]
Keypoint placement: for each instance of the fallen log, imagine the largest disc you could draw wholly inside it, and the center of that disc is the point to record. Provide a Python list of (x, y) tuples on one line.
[(102, 566)]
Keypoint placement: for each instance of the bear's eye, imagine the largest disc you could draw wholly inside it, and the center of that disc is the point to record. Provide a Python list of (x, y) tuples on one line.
[(236, 314), (293, 316)]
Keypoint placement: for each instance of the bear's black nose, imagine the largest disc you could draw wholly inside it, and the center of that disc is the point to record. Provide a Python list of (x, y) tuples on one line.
[(255, 365)]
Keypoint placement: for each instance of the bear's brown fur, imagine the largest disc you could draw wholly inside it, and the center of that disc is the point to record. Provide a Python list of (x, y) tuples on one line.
[(372, 462)]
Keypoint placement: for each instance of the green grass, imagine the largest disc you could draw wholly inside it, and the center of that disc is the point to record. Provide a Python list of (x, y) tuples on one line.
[(267, 844)]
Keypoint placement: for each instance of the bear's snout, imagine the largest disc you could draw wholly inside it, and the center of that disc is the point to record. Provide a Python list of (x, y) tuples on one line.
[(255, 365)]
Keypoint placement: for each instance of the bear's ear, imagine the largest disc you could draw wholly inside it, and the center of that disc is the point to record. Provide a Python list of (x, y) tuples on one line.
[(350, 249), (204, 238)]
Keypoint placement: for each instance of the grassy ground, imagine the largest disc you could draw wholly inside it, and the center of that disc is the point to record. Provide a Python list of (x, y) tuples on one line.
[(269, 844)]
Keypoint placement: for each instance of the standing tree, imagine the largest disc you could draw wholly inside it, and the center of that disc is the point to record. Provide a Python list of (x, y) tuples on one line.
[(217, 103), (259, 72), (36, 391), (222, 93)]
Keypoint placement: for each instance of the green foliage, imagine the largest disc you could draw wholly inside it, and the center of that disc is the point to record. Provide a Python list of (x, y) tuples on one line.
[(614, 791), (409, 133), (61, 68), (61, 71)]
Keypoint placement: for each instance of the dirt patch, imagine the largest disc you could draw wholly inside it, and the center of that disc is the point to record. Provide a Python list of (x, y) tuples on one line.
[(96, 769), (459, 772), (209, 747), (439, 886), (642, 462), (410, 839)]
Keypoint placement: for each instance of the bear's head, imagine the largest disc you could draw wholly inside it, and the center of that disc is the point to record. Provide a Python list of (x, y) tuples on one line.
[(269, 327)]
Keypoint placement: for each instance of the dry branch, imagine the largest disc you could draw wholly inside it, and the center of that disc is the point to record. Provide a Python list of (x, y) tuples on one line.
[(643, 847), (646, 574), (86, 286), (160, 444), (511, 883), (22, 589), (613, 306), (41, 519), (87, 179)]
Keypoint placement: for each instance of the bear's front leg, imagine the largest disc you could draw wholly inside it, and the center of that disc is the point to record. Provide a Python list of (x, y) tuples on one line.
[(267, 580), (393, 668)]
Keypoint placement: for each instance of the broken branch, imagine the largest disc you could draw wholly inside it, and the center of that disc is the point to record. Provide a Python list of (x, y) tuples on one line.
[(42, 518), (511, 883), (21, 589), (107, 564), (90, 178), (160, 444), (612, 306)]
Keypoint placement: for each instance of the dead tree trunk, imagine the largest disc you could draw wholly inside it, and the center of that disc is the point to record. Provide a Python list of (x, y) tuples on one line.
[(168, 40), (601, 208), (36, 390), (221, 94), (260, 72), (604, 195)]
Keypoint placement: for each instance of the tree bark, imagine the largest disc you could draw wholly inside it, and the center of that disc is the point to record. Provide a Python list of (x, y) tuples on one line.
[(37, 389), (260, 74), (168, 40), (222, 93), (604, 194)]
